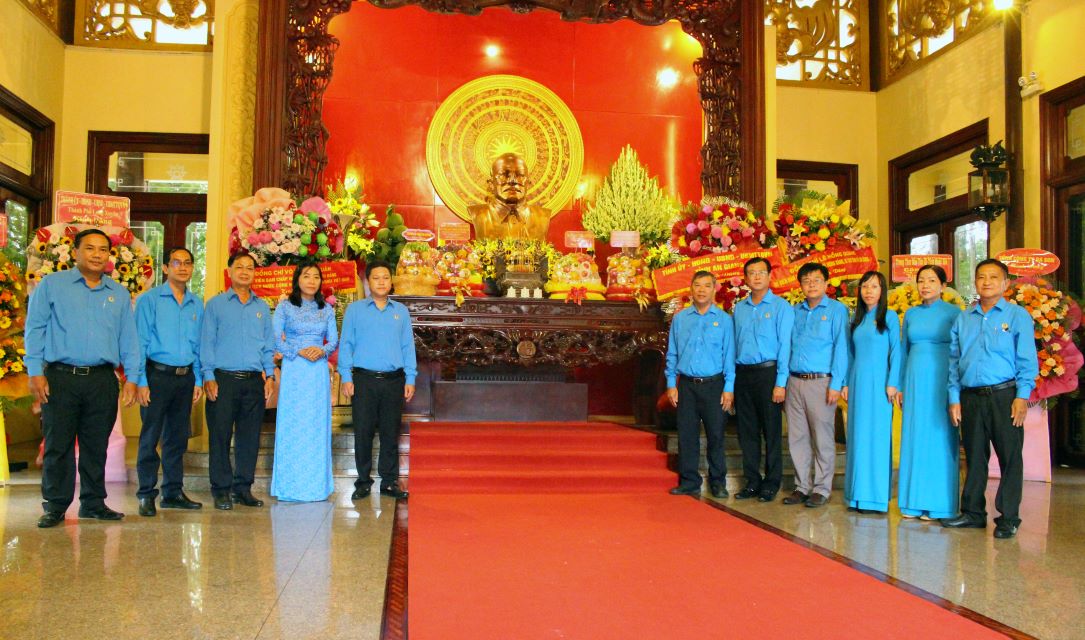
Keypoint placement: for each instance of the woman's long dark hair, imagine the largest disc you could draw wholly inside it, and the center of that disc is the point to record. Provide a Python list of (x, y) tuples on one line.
[(295, 290), (883, 304)]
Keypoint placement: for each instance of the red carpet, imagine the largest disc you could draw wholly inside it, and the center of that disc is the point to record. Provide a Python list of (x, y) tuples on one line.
[(636, 563)]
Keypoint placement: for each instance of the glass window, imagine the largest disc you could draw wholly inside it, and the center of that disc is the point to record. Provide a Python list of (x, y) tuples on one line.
[(924, 245), (153, 234), (149, 172), (940, 181), (791, 187), (196, 242), (16, 147), (17, 220), (1075, 132), (969, 249)]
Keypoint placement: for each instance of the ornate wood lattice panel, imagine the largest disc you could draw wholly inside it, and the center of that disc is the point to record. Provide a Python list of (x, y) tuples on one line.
[(172, 25), (916, 30), (299, 52), (824, 43), (47, 10)]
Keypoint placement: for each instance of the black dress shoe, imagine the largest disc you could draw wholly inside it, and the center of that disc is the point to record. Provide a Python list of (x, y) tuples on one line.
[(964, 521), (360, 493), (1004, 531), (100, 513), (180, 501), (50, 519), (746, 494), (246, 498), (766, 495), (817, 500), (146, 507), (796, 497), (719, 491), (686, 491), (393, 491), (223, 502)]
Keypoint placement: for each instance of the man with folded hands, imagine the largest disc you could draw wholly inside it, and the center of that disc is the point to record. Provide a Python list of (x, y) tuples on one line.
[(236, 351)]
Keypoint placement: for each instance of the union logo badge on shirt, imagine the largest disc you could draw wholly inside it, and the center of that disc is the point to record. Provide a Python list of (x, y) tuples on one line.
[(768, 315), (110, 298), (715, 324), (259, 315), (1005, 326), (824, 318), (395, 316)]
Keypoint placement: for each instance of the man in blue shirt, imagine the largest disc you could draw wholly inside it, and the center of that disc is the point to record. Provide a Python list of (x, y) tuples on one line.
[(236, 349), (818, 370), (168, 322), (992, 372), (700, 375), (763, 324), (79, 328), (377, 366)]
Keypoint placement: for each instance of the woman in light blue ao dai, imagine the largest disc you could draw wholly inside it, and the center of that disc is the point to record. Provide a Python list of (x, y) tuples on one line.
[(873, 379), (305, 335), (929, 482)]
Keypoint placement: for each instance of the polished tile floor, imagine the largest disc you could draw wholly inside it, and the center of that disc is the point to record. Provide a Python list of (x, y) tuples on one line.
[(318, 570)]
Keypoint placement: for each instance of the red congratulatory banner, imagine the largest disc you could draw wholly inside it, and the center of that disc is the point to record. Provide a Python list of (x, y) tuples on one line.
[(674, 279), (842, 263), (1029, 262), (906, 266), (277, 281), (92, 209)]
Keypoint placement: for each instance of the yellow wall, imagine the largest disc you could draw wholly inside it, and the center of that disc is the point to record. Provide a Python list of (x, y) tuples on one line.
[(114, 90), (957, 89), (805, 131), (1054, 47)]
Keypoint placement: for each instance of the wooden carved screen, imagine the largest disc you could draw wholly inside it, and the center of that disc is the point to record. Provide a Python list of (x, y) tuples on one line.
[(297, 54)]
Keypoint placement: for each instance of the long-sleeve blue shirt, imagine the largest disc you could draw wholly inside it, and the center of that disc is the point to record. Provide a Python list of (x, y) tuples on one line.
[(819, 340), (377, 339), (169, 332), (763, 332), (701, 345), (236, 336), (990, 348), (68, 321), (298, 328)]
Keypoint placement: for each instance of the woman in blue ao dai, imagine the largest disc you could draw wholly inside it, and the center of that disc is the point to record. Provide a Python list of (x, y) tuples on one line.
[(873, 378), (305, 335), (929, 480)]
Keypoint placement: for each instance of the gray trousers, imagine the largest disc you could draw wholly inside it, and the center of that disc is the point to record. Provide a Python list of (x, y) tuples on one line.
[(811, 437)]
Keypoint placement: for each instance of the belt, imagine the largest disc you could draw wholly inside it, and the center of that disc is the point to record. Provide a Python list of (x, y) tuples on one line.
[(240, 375), (169, 368), (77, 370), (696, 380), (809, 376), (380, 375), (986, 391), (760, 365)]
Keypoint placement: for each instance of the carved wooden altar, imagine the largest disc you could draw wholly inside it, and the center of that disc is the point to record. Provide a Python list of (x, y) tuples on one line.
[(297, 55)]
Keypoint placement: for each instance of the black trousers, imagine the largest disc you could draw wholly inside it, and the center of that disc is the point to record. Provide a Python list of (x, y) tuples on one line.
[(83, 407), (376, 408), (986, 421), (699, 403), (759, 418), (167, 419), (238, 413)]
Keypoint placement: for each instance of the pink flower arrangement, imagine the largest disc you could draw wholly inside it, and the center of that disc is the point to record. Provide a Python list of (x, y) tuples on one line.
[(282, 233)]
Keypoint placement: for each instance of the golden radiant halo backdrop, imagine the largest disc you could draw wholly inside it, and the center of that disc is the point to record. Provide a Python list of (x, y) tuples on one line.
[(499, 114)]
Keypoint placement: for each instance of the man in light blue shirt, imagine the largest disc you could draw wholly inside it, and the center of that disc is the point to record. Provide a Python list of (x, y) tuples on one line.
[(377, 366), (763, 325), (236, 351), (700, 374), (992, 372), (79, 328), (168, 321), (818, 370)]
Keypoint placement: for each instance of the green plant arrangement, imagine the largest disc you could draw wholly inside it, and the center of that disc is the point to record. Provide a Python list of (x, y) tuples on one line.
[(630, 200), (389, 241)]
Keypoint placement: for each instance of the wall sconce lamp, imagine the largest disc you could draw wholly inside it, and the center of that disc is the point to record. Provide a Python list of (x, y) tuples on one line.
[(989, 184)]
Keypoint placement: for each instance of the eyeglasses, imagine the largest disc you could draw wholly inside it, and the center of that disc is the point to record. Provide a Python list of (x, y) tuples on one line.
[(176, 264)]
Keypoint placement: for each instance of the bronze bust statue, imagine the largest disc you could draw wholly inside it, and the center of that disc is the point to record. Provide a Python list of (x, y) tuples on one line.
[(505, 214)]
